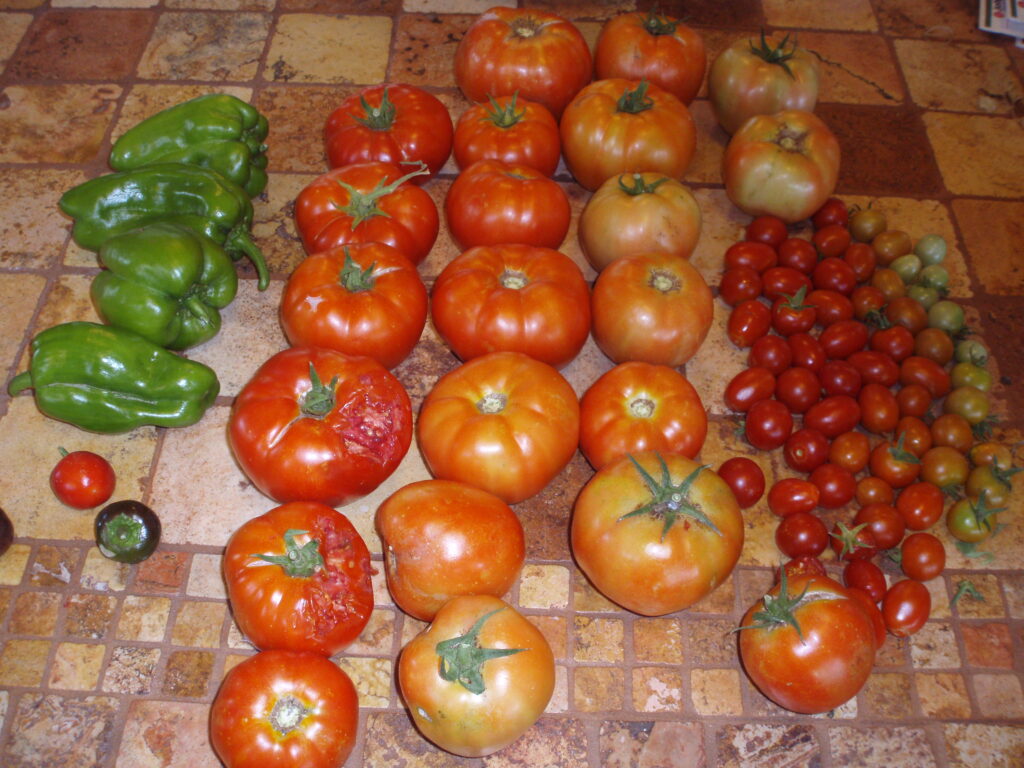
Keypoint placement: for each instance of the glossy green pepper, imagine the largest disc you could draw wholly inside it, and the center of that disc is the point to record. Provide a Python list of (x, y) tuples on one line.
[(195, 197), (107, 379), (166, 283), (216, 131)]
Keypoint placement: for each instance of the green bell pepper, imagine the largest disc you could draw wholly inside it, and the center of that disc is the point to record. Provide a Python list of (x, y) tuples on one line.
[(195, 197), (166, 283), (215, 131), (106, 379)]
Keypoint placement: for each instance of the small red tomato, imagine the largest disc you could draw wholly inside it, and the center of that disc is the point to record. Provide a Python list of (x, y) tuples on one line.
[(767, 229), (929, 374), (865, 576), (834, 274), (771, 352), (801, 535), (850, 450), (747, 387), (839, 377), (831, 240), (758, 256), (884, 521), (807, 565), (799, 254), (922, 556), (798, 388), (867, 301), (829, 306), (842, 338), (857, 543), (82, 479), (895, 341), (779, 282), (805, 450), (836, 485), (792, 314), (791, 495), (768, 424), (906, 607), (879, 410), (862, 260), (832, 212), (745, 478), (894, 464), (874, 490), (920, 505), (914, 400), (739, 284), (807, 352), (833, 415), (875, 367), (748, 322)]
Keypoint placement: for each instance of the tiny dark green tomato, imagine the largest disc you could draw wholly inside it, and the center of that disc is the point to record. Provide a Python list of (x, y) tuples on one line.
[(931, 249), (127, 531)]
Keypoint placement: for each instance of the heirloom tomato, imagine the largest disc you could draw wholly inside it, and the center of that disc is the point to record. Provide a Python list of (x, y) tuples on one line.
[(82, 479), (638, 407), (538, 54), (808, 645), (391, 123), (785, 164), (279, 709), (635, 213), (442, 539), (365, 203), (656, 533), (652, 307), (512, 297), (503, 422), (360, 299), (478, 677), (619, 126), (318, 425), (651, 46), (510, 129), (491, 203), (298, 578), (747, 80)]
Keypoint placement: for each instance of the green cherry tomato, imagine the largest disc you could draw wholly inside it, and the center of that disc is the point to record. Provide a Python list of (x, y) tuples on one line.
[(947, 315), (931, 249), (127, 531), (866, 224), (934, 276), (969, 374), (971, 519), (924, 295), (970, 402), (991, 483), (908, 267), (971, 351)]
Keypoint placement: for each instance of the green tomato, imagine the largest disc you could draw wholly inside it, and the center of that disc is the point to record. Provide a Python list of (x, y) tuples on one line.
[(934, 276), (970, 402), (970, 520), (924, 295), (947, 315), (971, 351), (970, 375), (931, 249), (908, 267), (866, 223)]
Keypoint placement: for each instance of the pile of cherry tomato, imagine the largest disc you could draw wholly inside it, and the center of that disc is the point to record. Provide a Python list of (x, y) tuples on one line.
[(864, 376)]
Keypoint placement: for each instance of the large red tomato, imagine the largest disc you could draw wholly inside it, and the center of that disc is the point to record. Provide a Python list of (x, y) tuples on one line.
[(656, 533), (511, 129), (503, 422), (785, 164), (652, 307), (360, 299), (808, 645), (638, 407), (443, 539), (492, 202), (538, 54), (279, 709), (365, 203), (298, 578), (318, 425), (747, 80), (478, 677), (513, 297), (650, 46), (391, 123), (635, 213), (622, 126)]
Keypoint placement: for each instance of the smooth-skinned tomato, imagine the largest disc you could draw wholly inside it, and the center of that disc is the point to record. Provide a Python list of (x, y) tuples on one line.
[(280, 709), (862, 260), (850, 450), (652, 307), (798, 253), (313, 424), (972, 519), (809, 645), (798, 388), (867, 223), (771, 352), (390, 123), (914, 400), (656, 533), (805, 450), (867, 577), (478, 677), (953, 430), (82, 479), (920, 505), (359, 299), (298, 578), (791, 314), (915, 433), (995, 484), (836, 485), (875, 367), (839, 377), (747, 387), (739, 284), (834, 274), (944, 467), (906, 607), (503, 422), (617, 126), (529, 51), (874, 490), (907, 312), (768, 424), (638, 407), (890, 244), (791, 495), (655, 47), (935, 344), (512, 297), (801, 534), (885, 522), (492, 203), (829, 306), (442, 539), (894, 464), (832, 211), (756, 254), (879, 410), (745, 478), (780, 282), (767, 229), (895, 341), (867, 301), (842, 338), (511, 129), (922, 556), (833, 415), (856, 543), (807, 351), (888, 282), (831, 240), (970, 402)]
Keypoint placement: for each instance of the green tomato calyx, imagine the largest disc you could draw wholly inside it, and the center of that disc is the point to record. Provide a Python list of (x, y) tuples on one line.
[(352, 278), (378, 118), (779, 611), (298, 562), (635, 100), (319, 400), (779, 55), (639, 186), (507, 116), (670, 502), (462, 658), (363, 205), (656, 24)]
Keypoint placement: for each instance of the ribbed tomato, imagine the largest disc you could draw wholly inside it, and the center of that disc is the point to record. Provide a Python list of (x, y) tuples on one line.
[(511, 129)]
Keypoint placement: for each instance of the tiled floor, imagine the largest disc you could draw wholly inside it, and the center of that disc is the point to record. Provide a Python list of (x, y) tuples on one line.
[(110, 665)]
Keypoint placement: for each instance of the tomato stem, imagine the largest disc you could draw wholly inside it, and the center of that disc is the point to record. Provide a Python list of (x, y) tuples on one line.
[(492, 402), (779, 611), (363, 205), (639, 186), (462, 658), (287, 714), (670, 502), (636, 100), (656, 24), (507, 116), (642, 407), (777, 55), (319, 401), (514, 279), (352, 278), (378, 118), (298, 562)]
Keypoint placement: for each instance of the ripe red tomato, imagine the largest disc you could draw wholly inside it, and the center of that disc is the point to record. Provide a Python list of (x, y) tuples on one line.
[(799, 254), (836, 485), (862, 260), (747, 387), (768, 424), (831, 240), (791, 495), (839, 377), (850, 450), (927, 373), (906, 607), (915, 433), (758, 254), (894, 464), (618, 126), (635, 213), (739, 284), (842, 338), (781, 282), (908, 312), (478, 677), (280, 709), (791, 314), (503, 422), (745, 478), (829, 306), (834, 274), (879, 410), (914, 400), (805, 450), (491, 203), (511, 129), (833, 415), (875, 367), (749, 321), (360, 299), (809, 645), (390, 123), (82, 479), (785, 164), (655, 47), (317, 425), (801, 566), (538, 54), (512, 297), (798, 388), (442, 539), (895, 341), (298, 578), (833, 211), (801, 535), (922, 556), (771, 352), (656, 533), (867, 301), (857, 543), (767, 229), (653, 307), (865, 576), (638, 407), (807, 351), (884, 521), (365, 203)]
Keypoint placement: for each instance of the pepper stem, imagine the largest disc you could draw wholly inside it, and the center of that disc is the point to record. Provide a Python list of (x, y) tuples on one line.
[(20, 382), (239, 240)]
